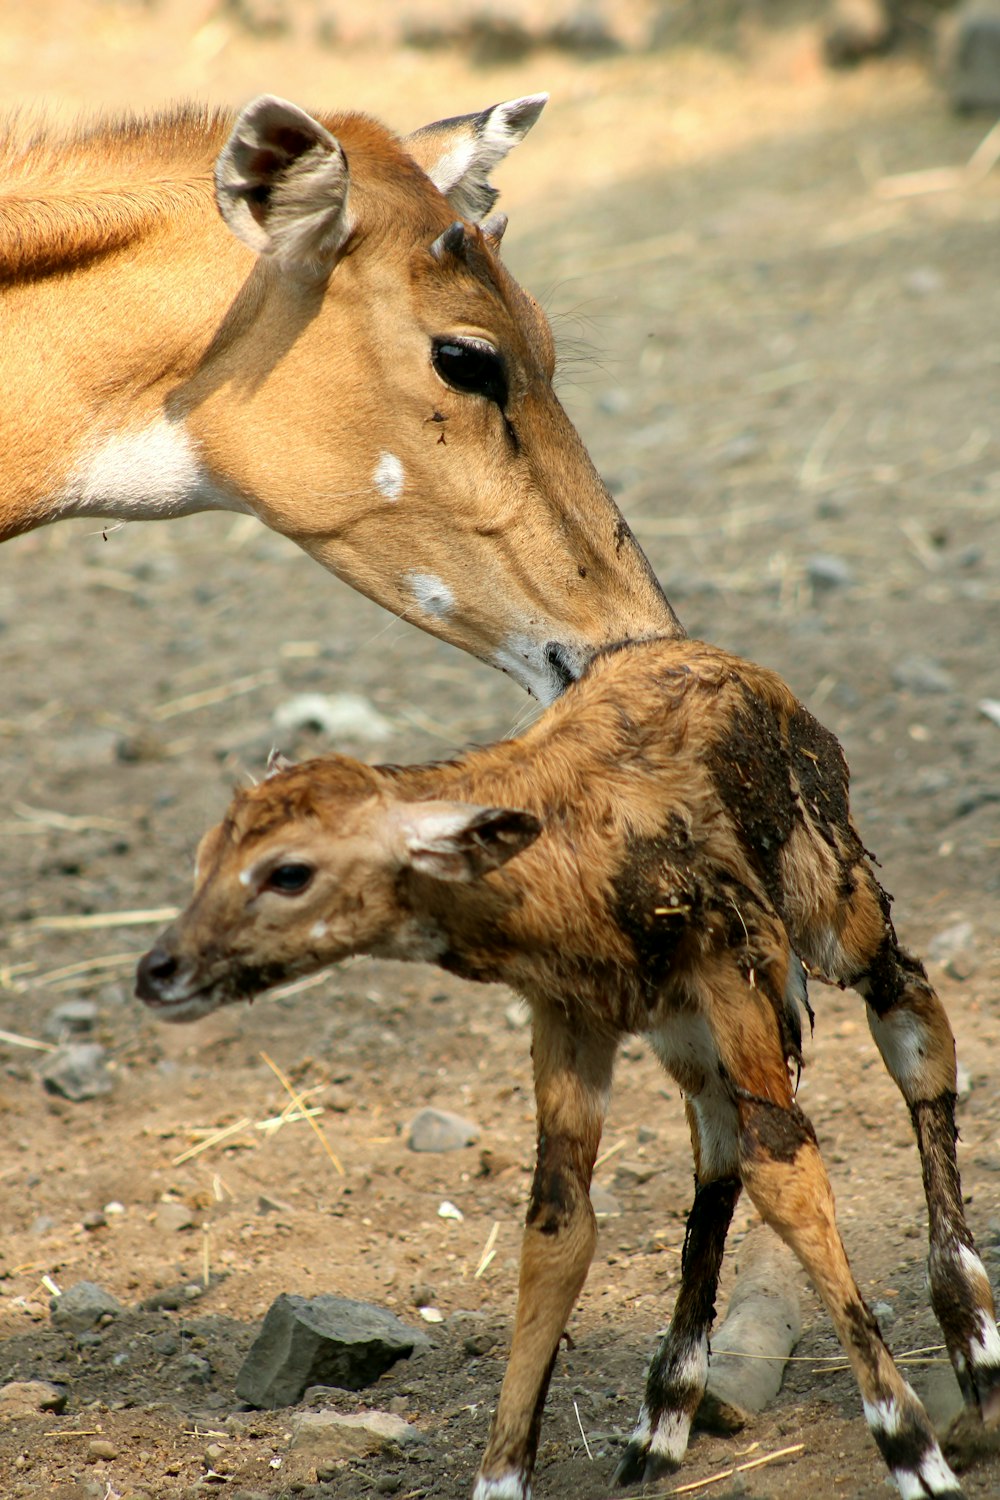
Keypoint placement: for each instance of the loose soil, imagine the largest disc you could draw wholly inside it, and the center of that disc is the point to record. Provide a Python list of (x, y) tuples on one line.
[(791, 383)]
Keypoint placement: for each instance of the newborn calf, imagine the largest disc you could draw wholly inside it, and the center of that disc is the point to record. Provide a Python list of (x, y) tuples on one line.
[(668, 851)]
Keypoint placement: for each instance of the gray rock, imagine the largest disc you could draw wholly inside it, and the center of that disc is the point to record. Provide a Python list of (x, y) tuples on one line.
[(77, 1071), (971, 56), (603, 1202), (923, 675), (440, 1130), (173, 1216), (826, 573), (884, 1311), (82, 1306), (958, 938), (321, 1341), (326, 1436), (70, 1018)]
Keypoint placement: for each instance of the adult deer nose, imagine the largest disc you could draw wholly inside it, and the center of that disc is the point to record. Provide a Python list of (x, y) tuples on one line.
[(156, 969)]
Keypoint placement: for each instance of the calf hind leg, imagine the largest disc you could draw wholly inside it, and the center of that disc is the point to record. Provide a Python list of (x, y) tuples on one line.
[(912, 1032), (785, 1177)]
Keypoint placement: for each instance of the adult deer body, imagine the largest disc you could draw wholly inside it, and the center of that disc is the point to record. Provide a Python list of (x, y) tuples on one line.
[(340, 352), (655, 855)]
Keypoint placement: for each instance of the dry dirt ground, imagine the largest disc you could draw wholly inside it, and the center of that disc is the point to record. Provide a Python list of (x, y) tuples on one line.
[(791, 382)]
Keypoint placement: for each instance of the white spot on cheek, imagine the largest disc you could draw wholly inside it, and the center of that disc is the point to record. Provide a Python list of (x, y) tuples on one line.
[(431, 594), (388, 476), (245, 877), (318, 931)]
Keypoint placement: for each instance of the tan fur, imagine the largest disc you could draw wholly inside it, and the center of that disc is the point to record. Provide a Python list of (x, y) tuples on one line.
[(134, 309), (650, 857)]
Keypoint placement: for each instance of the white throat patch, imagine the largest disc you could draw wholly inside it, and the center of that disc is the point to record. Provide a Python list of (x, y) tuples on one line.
[(144, 474)]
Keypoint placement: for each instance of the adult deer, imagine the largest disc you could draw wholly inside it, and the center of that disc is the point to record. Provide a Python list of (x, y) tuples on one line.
[(341, 353), (658, 854)]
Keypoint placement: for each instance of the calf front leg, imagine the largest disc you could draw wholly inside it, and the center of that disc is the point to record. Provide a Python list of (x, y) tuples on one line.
[(572, 1082), (679, 1369)]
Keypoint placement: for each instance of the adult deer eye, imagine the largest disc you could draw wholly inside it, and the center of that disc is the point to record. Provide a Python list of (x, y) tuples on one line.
[(473, 366), (289, 879)]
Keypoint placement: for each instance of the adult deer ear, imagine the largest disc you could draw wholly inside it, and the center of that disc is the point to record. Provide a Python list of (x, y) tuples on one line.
[(281, 184), (456, 841), (459, 154)]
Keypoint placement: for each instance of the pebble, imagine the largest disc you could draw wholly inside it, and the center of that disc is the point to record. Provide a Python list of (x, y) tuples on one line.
[(70, 1018), (77, 1071), (922, 675), (82, 1306), (101, 1448), (884, 1311), (952, 939), (440, 1130), (603, 1202), (173, 1216), (338, 715), (94, 1219), (826, 573), (971, 56)]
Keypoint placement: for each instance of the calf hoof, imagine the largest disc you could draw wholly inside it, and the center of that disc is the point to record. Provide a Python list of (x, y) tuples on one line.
[(639, 1465), (969, 1440)]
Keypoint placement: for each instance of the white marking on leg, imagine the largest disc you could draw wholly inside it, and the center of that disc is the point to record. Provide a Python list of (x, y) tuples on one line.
[(431, 594), (670, 1436), (932, 1477), (642, 1429), (902, 1041), (883, 1416), (388, 476), (149, 473), (510, 1487)]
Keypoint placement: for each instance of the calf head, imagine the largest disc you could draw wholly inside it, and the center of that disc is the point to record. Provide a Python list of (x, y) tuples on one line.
[(317, 863)]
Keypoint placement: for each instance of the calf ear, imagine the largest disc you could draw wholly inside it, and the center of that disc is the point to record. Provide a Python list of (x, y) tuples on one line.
[(281, 184), (458, 155), (455, 841)]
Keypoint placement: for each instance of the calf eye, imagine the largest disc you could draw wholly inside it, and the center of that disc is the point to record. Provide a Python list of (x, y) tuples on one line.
[(473, 366), (289, 879)]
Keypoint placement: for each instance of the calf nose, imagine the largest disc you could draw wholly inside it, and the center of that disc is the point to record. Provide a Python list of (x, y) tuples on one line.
[(156, 969)]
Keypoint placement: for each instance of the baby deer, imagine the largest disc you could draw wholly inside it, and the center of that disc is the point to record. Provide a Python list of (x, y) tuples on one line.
[(668, 851)]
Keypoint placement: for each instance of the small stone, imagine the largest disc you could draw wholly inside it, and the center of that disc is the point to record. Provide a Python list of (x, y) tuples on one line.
[(422, 1294), (958, 938), (603, 1202), (94, 1219), (440, 1130), (826, 573), (884, 1311), (346, 716), (173, 1216), (192, 1369), (971, 56), (216, 1457), (388, 1484), (267, 1203), (100, 1448), (70, 1018), (922, 675), (26, 1398), (82, 1306), (77, 1071), (327, 1435)]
